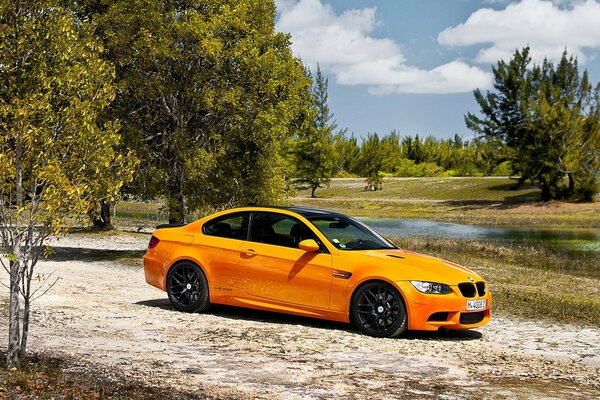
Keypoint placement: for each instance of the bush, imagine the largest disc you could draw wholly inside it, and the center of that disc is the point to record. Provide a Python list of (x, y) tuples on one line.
[(407, 168), (503, 169)]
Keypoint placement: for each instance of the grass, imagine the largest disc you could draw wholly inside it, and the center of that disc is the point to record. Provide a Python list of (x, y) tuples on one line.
[(479, 201), (51, 378), (437, 189), (531, 281)]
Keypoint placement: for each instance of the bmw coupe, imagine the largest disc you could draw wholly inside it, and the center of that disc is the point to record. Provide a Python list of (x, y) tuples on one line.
[(313, 263)]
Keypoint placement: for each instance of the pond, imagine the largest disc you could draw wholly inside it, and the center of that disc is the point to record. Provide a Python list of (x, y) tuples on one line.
[(572, 240)]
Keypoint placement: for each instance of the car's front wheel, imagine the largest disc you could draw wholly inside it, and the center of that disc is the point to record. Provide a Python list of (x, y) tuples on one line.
[(378, 310), (187, 287)]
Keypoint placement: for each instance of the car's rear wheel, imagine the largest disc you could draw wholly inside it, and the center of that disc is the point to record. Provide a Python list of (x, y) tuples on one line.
[(187, 287), (378, 310)]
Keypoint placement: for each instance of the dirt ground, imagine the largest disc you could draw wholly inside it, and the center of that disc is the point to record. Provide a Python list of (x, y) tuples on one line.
[(101, 313)]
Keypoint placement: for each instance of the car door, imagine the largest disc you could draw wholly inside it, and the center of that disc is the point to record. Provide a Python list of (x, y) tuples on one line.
[(223, 237), (271, 265)]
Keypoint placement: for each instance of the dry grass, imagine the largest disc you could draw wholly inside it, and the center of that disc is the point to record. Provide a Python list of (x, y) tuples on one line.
[(50, 378), (531, 281)]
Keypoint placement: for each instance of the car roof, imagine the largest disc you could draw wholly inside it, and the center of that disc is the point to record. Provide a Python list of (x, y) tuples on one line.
[(306, 212)]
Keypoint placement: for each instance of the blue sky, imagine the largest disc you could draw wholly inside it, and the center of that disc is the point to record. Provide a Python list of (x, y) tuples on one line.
[(411, 65)]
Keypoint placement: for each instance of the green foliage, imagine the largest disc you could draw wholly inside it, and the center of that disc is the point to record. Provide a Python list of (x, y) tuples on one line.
[(503, 169), (53, 88), (312, 150), (371, 161), (544, 120), (412, 156), (346, 152), (208, 94), (408, 168)]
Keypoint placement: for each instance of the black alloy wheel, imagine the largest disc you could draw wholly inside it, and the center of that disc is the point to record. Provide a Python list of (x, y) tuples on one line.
[(378, 310), (187, 287)]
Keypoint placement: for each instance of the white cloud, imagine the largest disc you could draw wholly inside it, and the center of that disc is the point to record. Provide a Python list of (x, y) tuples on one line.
[(344, 47), (454, 77), (549, 27)]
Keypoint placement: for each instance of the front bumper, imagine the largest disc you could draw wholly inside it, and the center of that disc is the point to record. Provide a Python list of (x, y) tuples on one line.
[(430, 312)]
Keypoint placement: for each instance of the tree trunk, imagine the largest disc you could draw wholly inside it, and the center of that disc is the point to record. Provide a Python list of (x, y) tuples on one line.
[(13, 356), (103, 221), (175, 198), (26, 312), (312, 191), (546, 192), (571, 188)]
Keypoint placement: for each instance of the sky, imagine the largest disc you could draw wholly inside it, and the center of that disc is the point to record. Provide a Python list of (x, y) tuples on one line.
[(412, 65)]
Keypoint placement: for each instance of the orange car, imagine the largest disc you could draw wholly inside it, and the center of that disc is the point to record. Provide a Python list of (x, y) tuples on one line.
[(313, 263)]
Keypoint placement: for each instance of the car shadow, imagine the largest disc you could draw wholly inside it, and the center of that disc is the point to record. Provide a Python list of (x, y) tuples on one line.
[(246, 314), (444, 335)]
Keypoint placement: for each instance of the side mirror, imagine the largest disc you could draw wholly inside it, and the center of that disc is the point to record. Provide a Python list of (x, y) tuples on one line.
[(308, 245)]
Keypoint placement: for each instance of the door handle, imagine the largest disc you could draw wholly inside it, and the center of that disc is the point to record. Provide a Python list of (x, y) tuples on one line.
[(249, 252)]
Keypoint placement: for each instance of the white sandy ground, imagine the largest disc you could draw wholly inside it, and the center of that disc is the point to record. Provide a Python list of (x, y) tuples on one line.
[(101, 313)]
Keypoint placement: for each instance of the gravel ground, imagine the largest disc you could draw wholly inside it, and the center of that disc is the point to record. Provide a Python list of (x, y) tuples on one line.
[(101, 313)]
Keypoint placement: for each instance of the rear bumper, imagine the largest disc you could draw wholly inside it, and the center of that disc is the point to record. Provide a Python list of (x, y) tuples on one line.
[(154, 272), (430, 312)]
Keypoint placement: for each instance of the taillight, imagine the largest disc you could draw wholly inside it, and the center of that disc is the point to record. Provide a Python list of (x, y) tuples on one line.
[(153, 242)]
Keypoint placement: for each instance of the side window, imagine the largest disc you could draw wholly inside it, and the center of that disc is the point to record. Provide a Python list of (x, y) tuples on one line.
[(228, 226), (279, 230)]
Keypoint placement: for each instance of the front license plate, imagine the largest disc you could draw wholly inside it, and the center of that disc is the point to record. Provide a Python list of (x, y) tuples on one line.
[(476, 305)]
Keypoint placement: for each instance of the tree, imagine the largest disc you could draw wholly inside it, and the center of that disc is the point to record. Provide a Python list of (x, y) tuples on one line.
[(208, 92), (541, 116), (346, 152), (413, 149), (371, 161), (392, 150), (55, 158), (313, 149)]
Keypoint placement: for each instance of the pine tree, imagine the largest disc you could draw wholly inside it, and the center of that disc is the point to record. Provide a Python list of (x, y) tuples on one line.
[(371, 161), (313, 151), (540, 117)]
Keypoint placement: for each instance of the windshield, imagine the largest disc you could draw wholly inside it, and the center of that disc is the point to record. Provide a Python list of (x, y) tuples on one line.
[(348, 234)]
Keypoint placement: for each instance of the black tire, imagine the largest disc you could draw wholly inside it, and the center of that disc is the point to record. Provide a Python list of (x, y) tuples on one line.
[(187, 287), (378, 310)]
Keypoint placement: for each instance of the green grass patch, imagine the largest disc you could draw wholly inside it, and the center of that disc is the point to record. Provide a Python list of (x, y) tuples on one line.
[(532, 281)]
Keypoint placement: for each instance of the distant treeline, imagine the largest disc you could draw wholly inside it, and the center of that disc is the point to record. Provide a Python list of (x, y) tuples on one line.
[(376, 156)]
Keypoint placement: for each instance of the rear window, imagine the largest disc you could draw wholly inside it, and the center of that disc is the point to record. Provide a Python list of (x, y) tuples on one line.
[(232, 226)]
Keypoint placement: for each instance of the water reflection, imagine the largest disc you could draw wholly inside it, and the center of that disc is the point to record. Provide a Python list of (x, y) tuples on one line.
[(573, 239)]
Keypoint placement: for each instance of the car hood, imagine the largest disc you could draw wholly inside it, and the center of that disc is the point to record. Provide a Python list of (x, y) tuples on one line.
[(399, 265)]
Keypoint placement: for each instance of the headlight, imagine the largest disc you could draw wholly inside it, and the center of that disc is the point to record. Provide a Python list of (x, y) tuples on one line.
[(431, 287)]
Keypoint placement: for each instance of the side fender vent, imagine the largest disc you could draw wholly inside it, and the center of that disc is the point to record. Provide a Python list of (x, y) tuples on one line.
[(341, 274)]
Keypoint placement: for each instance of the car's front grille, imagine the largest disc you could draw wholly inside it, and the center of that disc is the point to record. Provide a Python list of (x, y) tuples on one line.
[(467, 289), (472, 317), (480, 288)]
